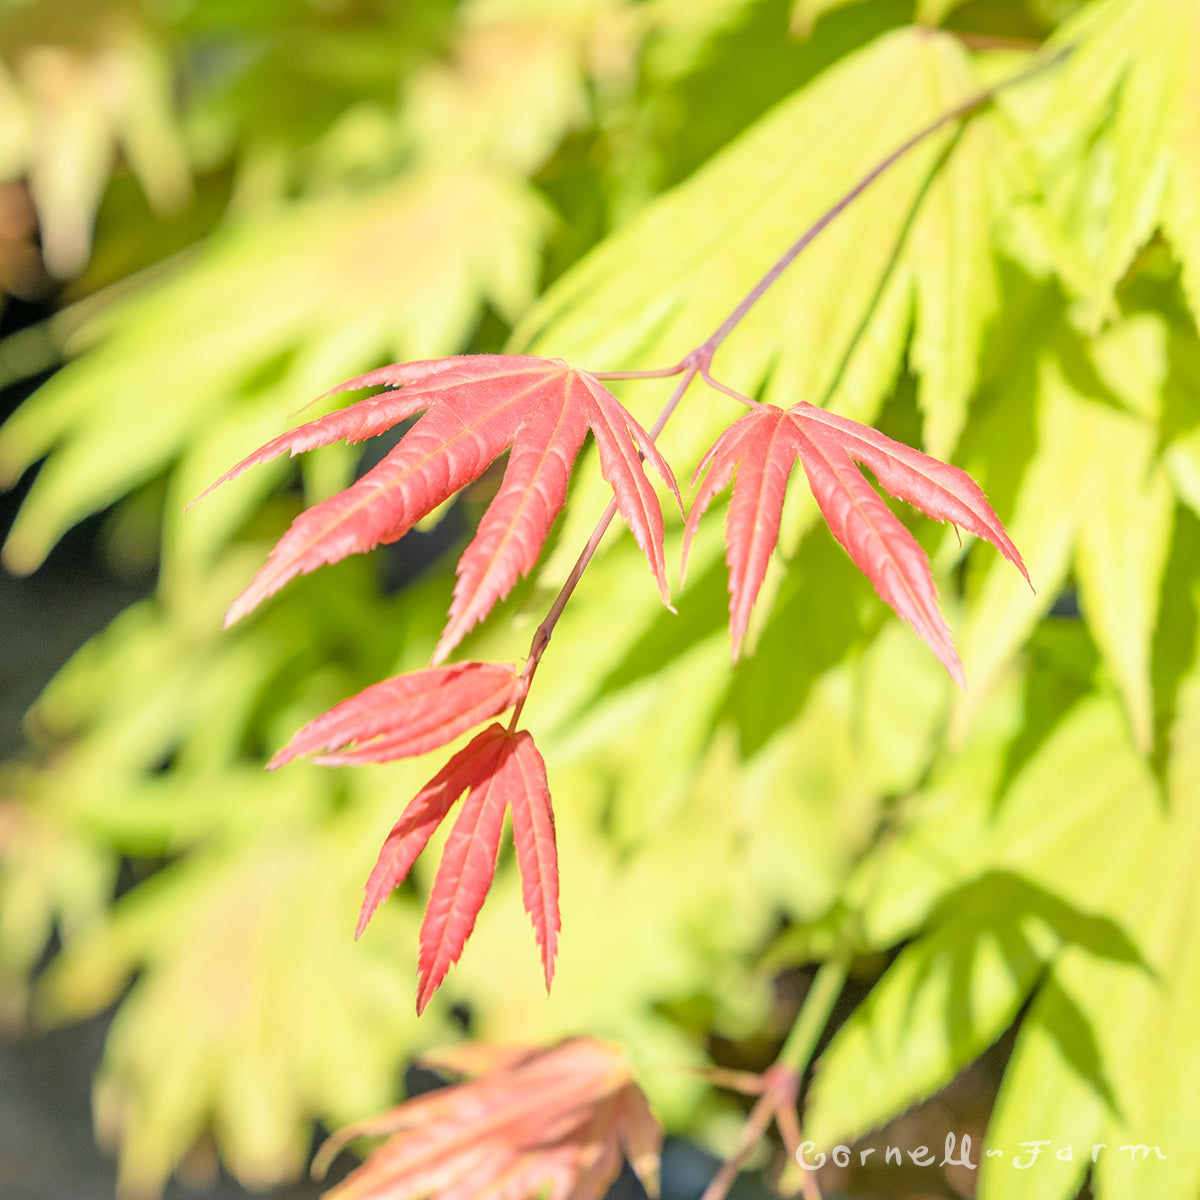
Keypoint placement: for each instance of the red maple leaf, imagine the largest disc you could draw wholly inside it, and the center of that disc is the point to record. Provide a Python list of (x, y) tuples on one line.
[(548, 1123), (763, 446), (499, 769), (476, 407)]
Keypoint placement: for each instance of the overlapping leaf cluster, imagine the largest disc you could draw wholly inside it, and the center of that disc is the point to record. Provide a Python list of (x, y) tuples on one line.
[(1017, 296), (475, 407)]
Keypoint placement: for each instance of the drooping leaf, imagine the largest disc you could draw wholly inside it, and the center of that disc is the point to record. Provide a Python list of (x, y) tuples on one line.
[(535, 1122), (762, 447), (70, 103), (1122, 552), (1044, 1089), (477, 406), (1117, 130), (1027, 877), (1135, 1025), (286, 995), (1094, 496), (496, 769), (406, 715), (310, 289)]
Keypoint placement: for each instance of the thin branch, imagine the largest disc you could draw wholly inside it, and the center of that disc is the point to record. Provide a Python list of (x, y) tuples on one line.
[(755, 1127), (780, 1087), (704, 352)]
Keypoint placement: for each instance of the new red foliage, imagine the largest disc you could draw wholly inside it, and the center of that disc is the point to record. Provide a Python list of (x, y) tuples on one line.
[(477, 406), (553, 1123), (763, 446), (497, 769)]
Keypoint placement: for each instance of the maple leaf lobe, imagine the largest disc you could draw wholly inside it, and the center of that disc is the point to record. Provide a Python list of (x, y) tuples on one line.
[(466, 870), (406, 715), (424, 813)]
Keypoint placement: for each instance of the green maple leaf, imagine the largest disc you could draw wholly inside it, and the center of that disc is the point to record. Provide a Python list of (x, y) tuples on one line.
[(1117, 135)]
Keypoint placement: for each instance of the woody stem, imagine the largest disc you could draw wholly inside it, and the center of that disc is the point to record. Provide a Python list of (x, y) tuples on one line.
[(755, 1127)]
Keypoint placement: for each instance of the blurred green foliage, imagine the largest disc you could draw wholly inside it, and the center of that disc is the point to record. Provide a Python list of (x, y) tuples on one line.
[(284, 194)]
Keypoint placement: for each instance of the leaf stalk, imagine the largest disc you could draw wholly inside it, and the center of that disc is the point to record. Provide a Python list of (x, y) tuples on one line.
[(542, 635)]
